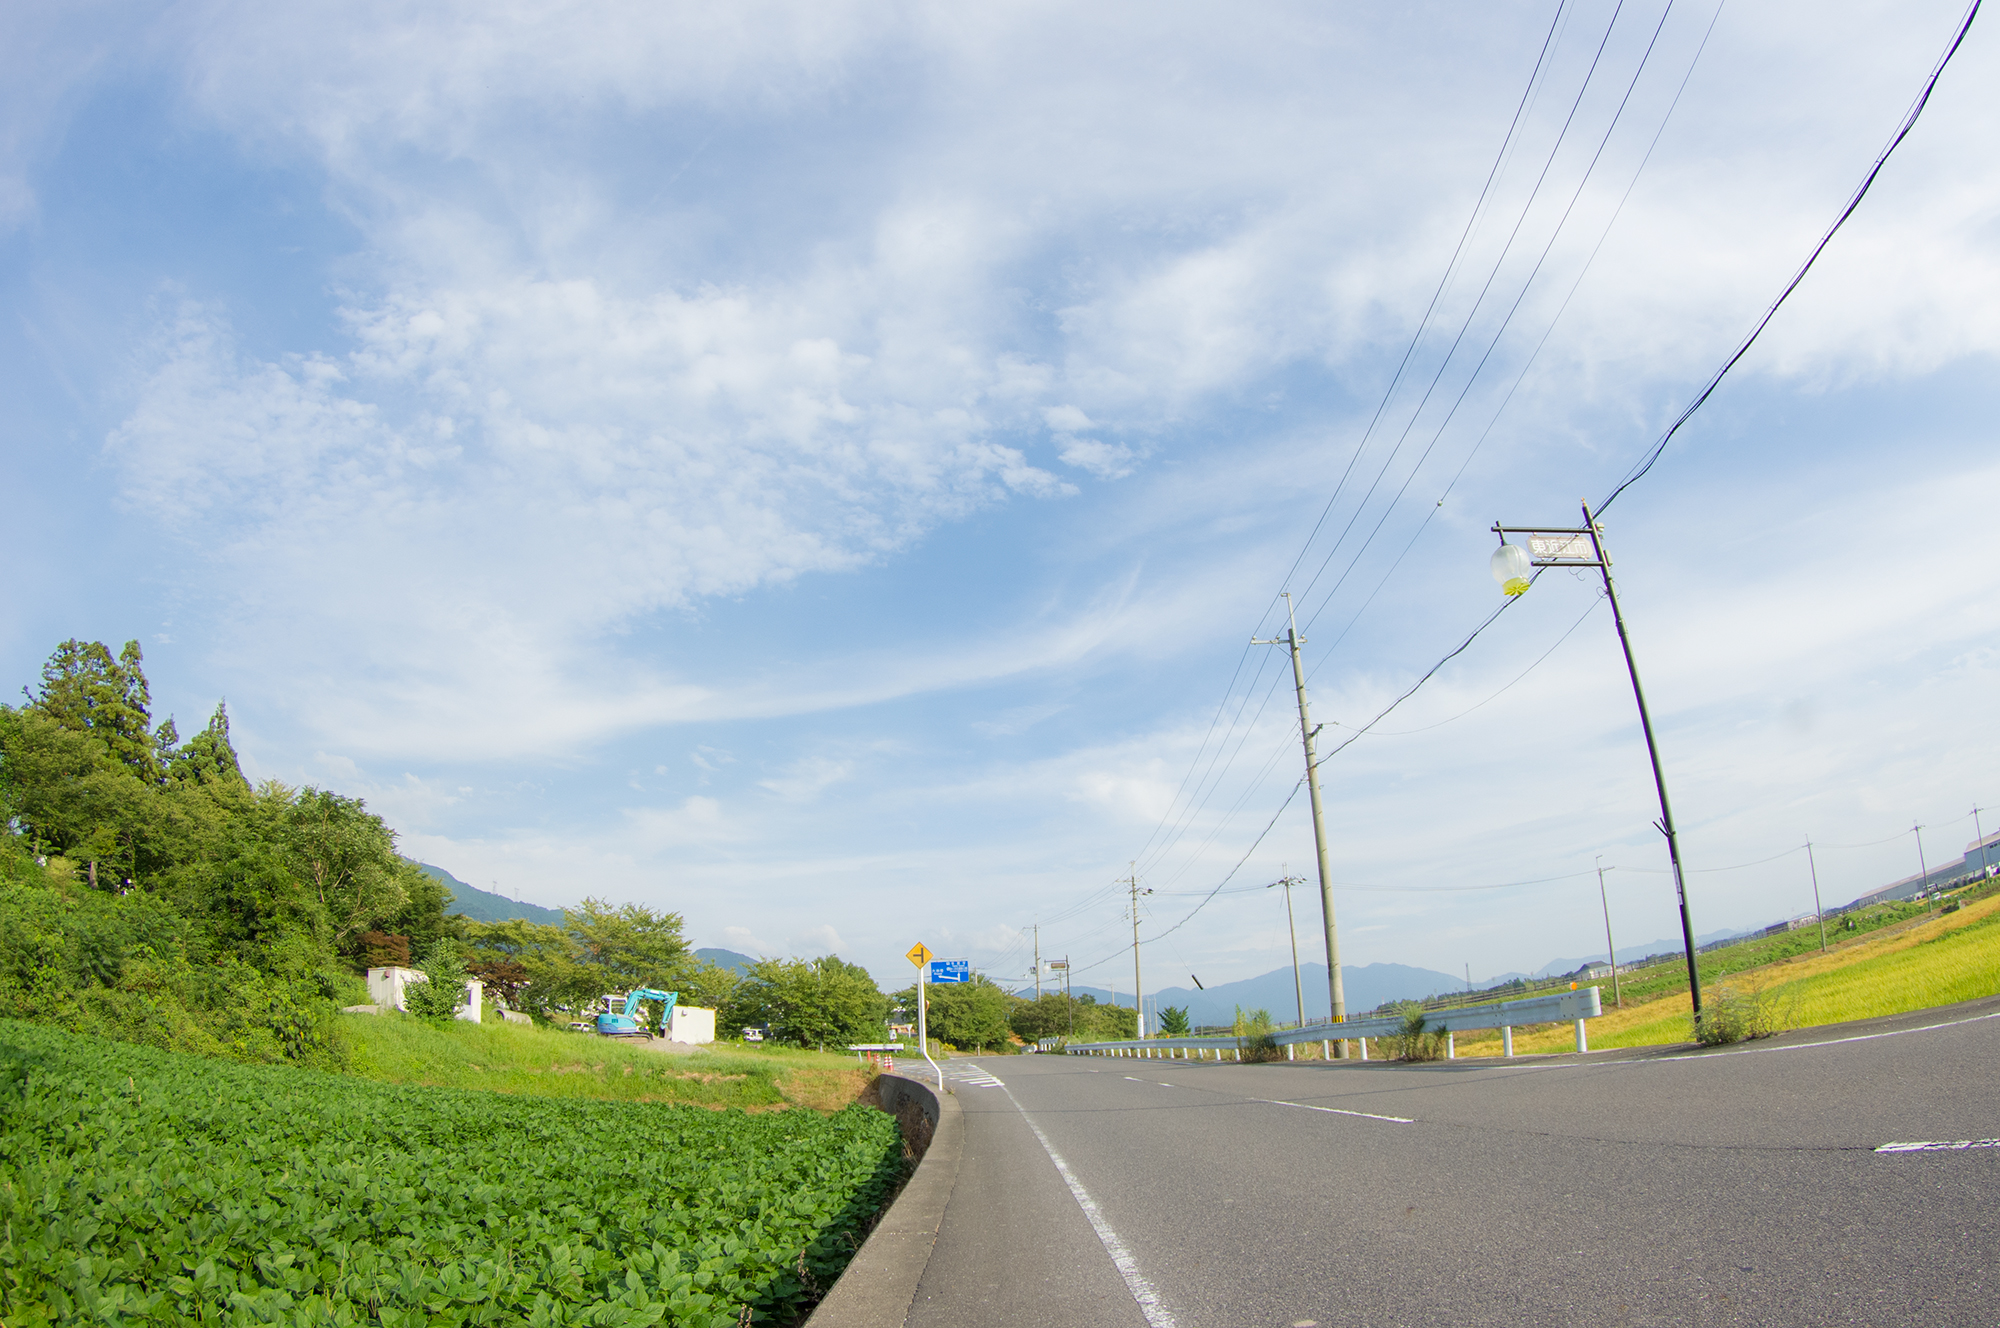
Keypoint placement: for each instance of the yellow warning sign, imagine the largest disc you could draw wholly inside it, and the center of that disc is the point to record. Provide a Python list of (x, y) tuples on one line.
[(918, 955)]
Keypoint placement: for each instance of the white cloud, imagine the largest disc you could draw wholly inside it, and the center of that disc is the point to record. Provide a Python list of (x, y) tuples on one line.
[(744, 941), (1109, 461), (819, 940), (808, 777)]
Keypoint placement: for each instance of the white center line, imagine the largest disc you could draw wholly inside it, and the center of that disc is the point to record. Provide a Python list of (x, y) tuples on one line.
[(1338, 1111), (1157, 1314), (1939, 1146)]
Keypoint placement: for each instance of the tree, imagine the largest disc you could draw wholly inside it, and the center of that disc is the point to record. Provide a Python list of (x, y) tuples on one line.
[(555, 976), (1174, 1021), (436, 999), (811, 1002), (85, 690), (632, 943), (345, 856), (964, 1014)]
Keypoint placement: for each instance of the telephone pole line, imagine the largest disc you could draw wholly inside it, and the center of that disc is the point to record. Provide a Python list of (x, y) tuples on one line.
[(1291, 931), (1138, 991), (1335, 989), (1609, 944), (1038, 961)]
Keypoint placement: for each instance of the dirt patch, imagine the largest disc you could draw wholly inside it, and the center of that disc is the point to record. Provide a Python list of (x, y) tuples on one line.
[(825, 1090)]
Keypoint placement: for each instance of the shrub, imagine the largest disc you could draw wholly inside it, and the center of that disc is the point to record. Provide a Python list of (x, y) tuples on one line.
[(437, 998), (1412, 1042), (1729, 1015)]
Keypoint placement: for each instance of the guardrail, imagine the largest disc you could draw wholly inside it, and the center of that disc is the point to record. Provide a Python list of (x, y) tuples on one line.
[(1565, 1007)]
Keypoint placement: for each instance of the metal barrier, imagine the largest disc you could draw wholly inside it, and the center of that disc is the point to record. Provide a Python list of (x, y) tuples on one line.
[(1564, 1007)]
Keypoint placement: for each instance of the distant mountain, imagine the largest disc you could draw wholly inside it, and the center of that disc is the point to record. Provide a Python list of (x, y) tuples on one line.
[(484, 905), (1627, 953), (1365, 987), (729, 959)]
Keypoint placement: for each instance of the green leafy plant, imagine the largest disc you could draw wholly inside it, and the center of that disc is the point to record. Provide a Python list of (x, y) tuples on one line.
[(1729, 1015), (320, 1198), (1174, 1021), (436, 999), (1414, 1041)]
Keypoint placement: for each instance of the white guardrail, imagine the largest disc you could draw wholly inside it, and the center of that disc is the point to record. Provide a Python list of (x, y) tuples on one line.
[(1562, 1008)]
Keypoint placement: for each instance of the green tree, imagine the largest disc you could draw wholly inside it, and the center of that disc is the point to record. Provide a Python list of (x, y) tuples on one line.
[(634, 945), (1174, 1021), (811, 1002), (345, 856), (85, 690), (554, 977), (436, 999), (964, 1014)]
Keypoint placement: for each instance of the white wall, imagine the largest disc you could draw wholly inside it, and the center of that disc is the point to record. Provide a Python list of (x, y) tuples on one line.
[(692, 1024)]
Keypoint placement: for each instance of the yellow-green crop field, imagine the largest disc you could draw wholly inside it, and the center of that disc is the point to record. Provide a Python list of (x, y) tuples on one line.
[(548, 1062), (1934, 961)]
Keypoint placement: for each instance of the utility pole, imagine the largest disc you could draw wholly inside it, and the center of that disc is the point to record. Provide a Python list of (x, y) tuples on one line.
[(1564, 546), (1038, 961), (1818, 911), (1609, 944), (1291, 929), (1982, 843), (1138, 990), (1923, 868), (1335, 989)]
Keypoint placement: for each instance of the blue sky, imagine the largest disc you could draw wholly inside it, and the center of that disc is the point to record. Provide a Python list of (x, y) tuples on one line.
[(817, 467)]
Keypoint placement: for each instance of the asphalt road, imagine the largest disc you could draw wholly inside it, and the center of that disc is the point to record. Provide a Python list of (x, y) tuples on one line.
[(1732, 1187)]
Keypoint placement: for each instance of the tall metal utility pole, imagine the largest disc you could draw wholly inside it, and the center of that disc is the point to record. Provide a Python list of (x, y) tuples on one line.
[(1609, 944), (1818, 911), (1291, 930), (1138, 990), (1583, 546), (1038, 961), (1981, 841), (1335, 989)]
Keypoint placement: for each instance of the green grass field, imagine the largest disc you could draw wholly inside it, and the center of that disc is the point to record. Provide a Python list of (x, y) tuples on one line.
[(1920, 962), (546, 1062)]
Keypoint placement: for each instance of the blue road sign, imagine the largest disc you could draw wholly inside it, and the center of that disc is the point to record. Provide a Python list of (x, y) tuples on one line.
[(951, 970)]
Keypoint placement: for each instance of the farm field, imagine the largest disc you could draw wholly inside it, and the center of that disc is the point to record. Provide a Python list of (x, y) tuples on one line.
[(1932, 961), (548, 1062), (139, 1185)]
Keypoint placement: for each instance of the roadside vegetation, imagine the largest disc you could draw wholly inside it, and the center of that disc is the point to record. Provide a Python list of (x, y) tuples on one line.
[(539, 1061), (139, 1185), (1916, 960)]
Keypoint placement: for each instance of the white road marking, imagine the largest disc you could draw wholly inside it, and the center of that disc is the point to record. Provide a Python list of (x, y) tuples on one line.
[(1338, 1111), (1157, 1314), (1939, 1146), (976, 1075)]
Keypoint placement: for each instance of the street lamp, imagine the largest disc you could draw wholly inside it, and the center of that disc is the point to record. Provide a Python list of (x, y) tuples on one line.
[(1583, 546)]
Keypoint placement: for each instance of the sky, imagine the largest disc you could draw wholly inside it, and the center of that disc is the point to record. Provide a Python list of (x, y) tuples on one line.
[(819, 468)]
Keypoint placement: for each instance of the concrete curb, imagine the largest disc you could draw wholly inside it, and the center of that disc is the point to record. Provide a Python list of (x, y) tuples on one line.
[(881, 1280)]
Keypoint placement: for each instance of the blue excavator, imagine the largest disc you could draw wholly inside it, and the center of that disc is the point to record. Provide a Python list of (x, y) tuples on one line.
[(614, 1024)]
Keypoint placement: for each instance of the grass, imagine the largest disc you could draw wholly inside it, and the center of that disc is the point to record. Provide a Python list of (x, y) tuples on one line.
[(1923, 962), (544, 1062)]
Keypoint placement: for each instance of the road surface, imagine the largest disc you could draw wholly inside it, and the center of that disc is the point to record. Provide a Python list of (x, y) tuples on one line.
[(1740, 1186)]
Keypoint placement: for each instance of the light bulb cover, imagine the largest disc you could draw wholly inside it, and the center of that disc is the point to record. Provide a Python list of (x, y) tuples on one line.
[(1512, 568)]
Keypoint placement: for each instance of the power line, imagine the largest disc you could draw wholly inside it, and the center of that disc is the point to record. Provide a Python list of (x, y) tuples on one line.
[(1743, 348)]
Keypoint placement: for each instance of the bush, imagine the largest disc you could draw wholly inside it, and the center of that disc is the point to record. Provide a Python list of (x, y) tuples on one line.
[(1728, 1015), (437, 998), (1412, 1042)]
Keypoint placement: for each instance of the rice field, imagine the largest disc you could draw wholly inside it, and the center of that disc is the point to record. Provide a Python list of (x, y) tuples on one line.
[(1937, 961)]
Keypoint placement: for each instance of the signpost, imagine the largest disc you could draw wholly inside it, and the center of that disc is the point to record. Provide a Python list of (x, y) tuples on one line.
[(951, 970), (920, 955)]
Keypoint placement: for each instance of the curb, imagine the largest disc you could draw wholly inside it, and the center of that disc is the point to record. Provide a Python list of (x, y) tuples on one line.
[(880, 1281)]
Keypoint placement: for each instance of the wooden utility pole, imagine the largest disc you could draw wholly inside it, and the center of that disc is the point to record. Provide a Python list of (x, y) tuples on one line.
[(1335, 990), (1038, 961)]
